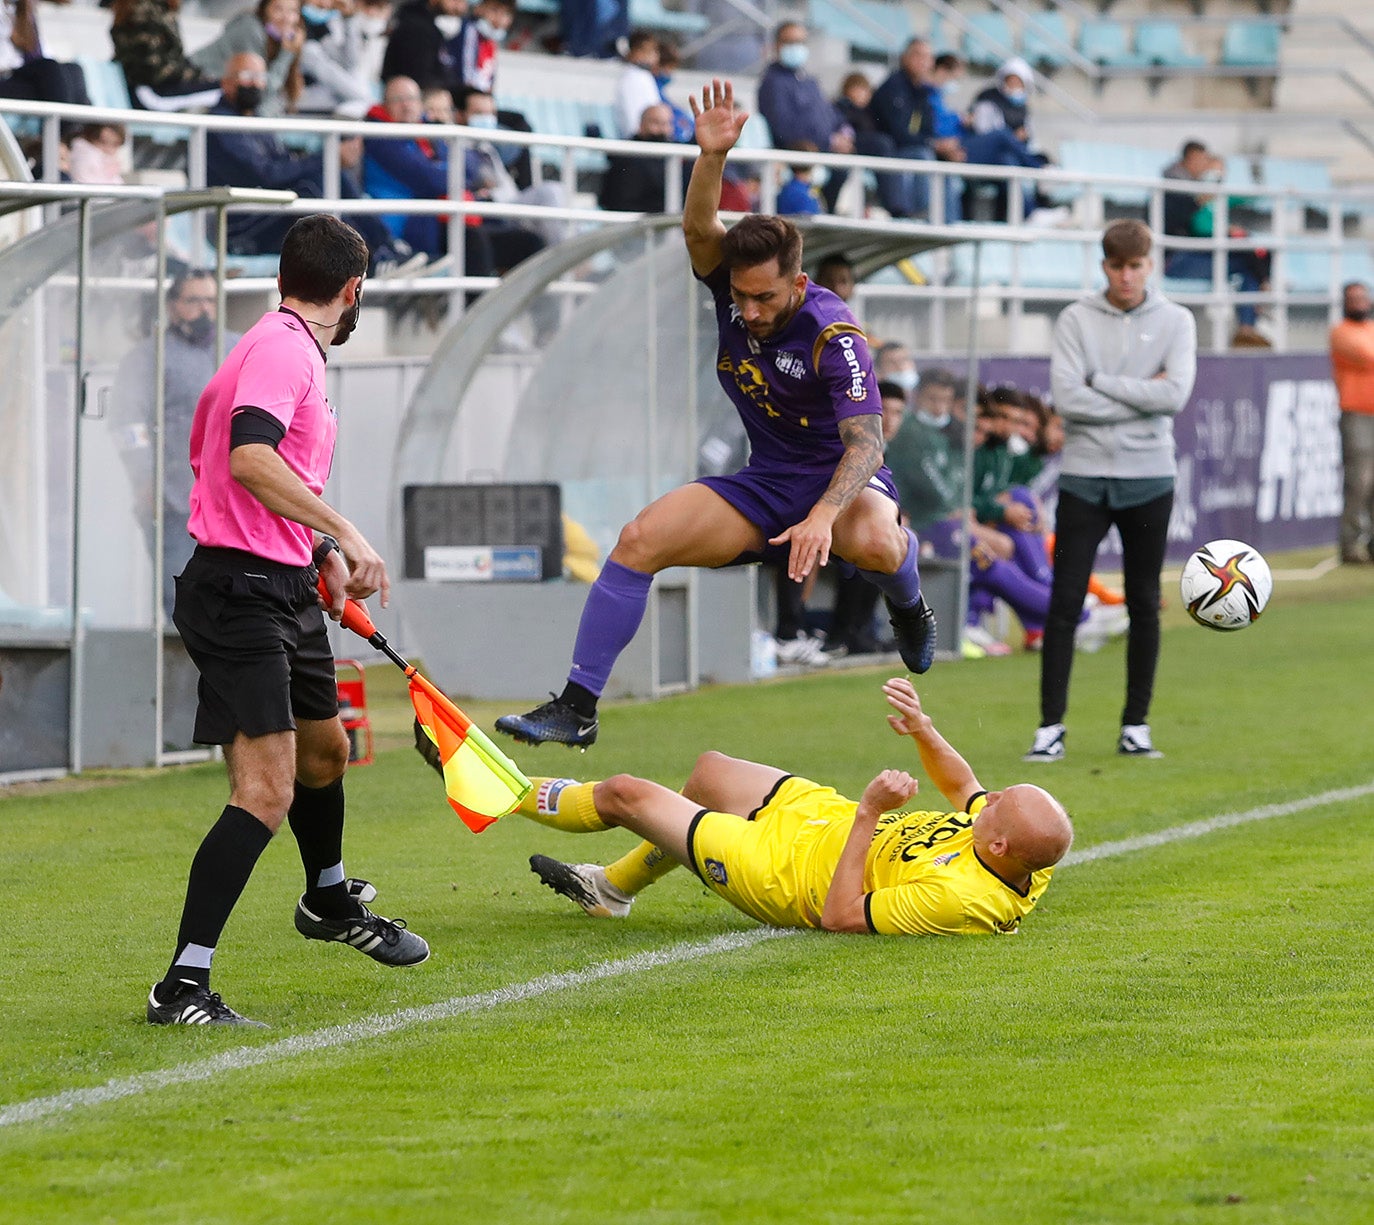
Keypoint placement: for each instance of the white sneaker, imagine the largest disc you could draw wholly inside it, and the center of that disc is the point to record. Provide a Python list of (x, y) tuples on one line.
[(1135, 741), (990, 644), (1048, 744), (809, 652), (583, 883)]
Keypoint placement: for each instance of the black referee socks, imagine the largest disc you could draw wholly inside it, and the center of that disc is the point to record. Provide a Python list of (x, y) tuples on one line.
[(317, 820)]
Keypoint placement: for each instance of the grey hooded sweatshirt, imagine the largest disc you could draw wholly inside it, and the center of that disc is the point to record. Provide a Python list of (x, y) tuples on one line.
[(1119, 378)]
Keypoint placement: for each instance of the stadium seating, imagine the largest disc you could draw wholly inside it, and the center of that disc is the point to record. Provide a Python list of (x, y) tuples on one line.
[(1161, 43), (883, 29), (989, 39), (1044, 38), (1250, 44), (1108, 44), (652, 15)]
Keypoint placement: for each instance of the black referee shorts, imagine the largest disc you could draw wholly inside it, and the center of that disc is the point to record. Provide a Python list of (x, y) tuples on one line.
[(256, 634)]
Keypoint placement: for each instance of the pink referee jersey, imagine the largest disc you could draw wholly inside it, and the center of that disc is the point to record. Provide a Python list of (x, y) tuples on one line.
[(279, 368)]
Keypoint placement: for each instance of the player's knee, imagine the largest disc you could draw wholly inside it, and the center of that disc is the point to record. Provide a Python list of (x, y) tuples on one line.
[(621, 795), (268, 799), (636, 546), (707, 767), (878, 546), (326, 761)]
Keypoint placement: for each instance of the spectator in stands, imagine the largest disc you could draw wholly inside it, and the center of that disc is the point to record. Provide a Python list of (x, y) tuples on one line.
[(96, 153), (945, 74), (637, 86), (740, 187), (999, 134), (488, 174), (593, 27), (372, 20), (797, 110), (1189, 215), (147, 44), (836, 273), (273, 30), (474, 49), (798, 197), (1352, 365), (25, 72), (237, 158), (332, 59), (438, 104), (668, 61), (638, 184), (856, 92), (903, 112), (893, 363), (189, 363), (418, 47)]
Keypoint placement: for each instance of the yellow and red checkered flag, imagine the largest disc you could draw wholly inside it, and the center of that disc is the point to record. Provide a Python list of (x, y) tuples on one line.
[(481, 782)]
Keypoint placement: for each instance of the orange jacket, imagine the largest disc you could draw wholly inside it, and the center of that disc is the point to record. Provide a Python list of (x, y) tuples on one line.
[(1352, 365)]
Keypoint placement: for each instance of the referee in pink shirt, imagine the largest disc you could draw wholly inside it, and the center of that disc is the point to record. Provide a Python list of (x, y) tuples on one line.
[(247, 609)]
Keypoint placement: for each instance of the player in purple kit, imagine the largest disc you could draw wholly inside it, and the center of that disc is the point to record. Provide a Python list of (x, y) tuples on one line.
[(796, 365), (262, 440)]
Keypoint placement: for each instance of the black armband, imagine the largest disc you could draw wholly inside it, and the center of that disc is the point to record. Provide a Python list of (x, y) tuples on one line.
[(326, 546), (249, 425)]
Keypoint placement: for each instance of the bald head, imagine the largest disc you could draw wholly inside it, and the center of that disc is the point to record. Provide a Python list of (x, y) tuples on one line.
[(1025, 826), (243, 69), (403, 100)]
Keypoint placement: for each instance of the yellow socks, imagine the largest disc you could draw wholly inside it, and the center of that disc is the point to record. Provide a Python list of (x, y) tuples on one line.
[(562, 803), (639, 869)]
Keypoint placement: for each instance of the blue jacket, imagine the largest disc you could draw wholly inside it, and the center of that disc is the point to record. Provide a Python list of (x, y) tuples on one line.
[(796, 198), (902, 110), (403, 170), (259, 159), (796, 109)]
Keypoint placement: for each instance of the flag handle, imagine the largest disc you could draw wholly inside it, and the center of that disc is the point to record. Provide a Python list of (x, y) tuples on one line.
[(355, 618)]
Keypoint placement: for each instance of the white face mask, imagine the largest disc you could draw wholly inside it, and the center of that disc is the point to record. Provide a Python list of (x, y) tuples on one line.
[(482, 121), (905, 379), (793, 55), (1017, 445), (448, 25), (485, 28), (938, 423)]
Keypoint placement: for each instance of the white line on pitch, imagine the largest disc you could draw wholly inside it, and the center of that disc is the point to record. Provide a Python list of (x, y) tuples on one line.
[(241, 1057)]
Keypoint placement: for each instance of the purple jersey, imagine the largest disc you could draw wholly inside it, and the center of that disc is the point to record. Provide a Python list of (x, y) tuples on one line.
[(792, 389)]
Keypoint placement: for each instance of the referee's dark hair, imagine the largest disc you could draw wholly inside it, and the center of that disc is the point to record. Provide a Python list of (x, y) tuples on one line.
[(319, 256), (756, 238)]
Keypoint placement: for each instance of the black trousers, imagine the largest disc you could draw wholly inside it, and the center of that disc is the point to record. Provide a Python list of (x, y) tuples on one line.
[(1079, 529)]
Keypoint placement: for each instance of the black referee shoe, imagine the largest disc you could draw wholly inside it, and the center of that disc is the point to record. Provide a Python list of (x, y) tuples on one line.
[(384, 940), (915, 630), (194, 1004)]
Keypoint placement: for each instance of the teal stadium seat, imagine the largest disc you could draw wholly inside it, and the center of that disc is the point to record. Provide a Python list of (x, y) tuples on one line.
[(988, 40), (538, 8), (1102, 157), (105, 84), (652, 15), (1307, 271), (1161, 43), (1108, 44), (1250, 44), (885, 28), (1044, 39)]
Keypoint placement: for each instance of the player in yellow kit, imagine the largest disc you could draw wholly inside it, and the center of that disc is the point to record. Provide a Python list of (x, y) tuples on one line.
[(794, 853)]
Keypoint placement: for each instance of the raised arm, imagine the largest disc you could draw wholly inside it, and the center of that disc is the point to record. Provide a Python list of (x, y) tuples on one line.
[(945, 768), (718, 127)]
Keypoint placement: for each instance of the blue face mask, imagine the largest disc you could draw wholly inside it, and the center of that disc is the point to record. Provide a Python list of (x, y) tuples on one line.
[(661, 79), (1017, 96), (793, 55), (487, 30), (316, 16), (482, 121), (949, 88)]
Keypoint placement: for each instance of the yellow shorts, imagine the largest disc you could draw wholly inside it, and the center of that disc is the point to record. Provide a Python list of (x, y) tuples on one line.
[(766, 866)]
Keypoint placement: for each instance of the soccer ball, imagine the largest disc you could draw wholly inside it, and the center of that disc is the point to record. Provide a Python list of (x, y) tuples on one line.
[(1225, 585)]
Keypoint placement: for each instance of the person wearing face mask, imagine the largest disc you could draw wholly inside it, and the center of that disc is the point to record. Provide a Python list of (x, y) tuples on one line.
[(273, 30), (668, 61), (189, 363), (235, 157), (490, 175), (332, 59), (251, 618), (636, 88), (419, 44), (999, 132), (1352, 367), (796, 108)]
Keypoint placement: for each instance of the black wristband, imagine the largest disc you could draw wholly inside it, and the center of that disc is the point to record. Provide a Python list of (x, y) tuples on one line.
[(326, 546)]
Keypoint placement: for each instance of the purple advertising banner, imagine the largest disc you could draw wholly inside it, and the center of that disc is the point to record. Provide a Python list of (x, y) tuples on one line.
[(1259, 450)]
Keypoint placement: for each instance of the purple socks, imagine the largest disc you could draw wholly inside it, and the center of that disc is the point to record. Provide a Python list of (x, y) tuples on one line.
[(615, 607), (904, 587)]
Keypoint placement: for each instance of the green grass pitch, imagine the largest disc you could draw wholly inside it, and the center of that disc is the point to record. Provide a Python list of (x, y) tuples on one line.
[(1179, 1034)]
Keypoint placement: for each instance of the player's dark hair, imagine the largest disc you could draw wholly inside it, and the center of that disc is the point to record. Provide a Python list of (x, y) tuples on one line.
[(319, 256), (1126, 239), (757, 238)]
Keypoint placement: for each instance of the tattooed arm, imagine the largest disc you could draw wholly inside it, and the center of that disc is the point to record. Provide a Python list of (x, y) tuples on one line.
[(863, 456)]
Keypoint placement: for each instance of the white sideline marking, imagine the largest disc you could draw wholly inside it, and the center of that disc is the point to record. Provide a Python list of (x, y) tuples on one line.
[(242, 1057)]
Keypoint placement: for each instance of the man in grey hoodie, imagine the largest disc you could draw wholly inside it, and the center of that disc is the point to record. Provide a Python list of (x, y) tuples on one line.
[(1122, 367)]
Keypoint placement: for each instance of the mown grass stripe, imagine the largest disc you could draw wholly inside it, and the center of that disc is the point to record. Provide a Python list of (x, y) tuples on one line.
[(240, 1058)]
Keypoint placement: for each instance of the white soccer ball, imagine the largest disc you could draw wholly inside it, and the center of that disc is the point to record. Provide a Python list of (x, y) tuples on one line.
[(1225, 585)]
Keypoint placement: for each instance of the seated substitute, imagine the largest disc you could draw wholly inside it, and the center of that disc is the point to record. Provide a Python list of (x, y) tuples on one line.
[(794, 853)]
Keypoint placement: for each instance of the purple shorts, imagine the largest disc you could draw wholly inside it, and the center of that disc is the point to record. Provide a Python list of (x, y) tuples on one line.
[(774, 500)]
